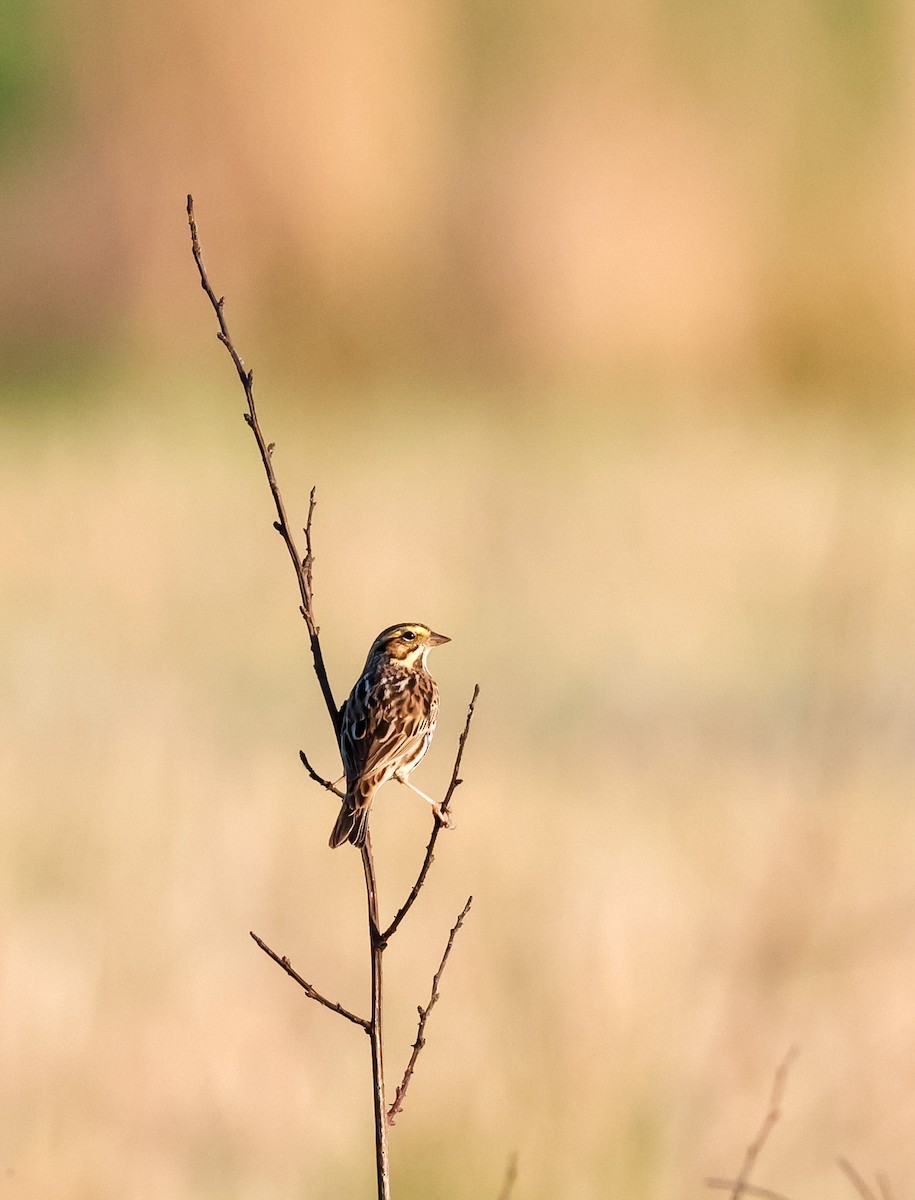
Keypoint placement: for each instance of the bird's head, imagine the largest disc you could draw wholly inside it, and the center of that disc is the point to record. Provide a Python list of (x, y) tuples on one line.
[(408, 643)]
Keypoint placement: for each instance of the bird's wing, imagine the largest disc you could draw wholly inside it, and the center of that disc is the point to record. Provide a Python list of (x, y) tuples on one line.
[(383, 722)]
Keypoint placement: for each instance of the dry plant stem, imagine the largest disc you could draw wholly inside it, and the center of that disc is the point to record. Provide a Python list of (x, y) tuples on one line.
[(376, 1025), (310, 992), (772, 1115), (511, 1174), (856, 1179), (303, 566), (436, 828), (886, 1189), (401, 1092), (746, 1189)]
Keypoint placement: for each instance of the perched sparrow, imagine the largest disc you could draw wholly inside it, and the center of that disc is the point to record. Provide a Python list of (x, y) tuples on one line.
[(387, 723)]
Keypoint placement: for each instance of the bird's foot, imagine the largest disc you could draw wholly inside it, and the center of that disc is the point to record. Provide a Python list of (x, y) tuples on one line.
[(444, 818)]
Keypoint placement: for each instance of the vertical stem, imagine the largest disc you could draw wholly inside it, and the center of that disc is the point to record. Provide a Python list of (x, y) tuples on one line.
[(382, 1165)]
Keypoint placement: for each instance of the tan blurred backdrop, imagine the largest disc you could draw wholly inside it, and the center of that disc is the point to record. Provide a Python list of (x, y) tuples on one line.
[(593, 324)]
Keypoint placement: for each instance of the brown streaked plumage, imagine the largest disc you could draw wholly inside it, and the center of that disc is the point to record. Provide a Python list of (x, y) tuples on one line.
[(387, 723)]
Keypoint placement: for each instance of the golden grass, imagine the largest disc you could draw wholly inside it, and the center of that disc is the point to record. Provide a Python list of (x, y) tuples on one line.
[(687, 821)]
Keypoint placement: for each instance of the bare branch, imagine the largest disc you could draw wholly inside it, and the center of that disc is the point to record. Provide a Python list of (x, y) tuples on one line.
[(430, 848), (401, 1092), (325, 783), (310, 992), (302, 566), (856, 1180), (772, 1115), (511, 1174), (744, 1189)]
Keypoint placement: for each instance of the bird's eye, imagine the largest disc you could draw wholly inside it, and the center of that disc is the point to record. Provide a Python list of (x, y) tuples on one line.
[(408, 635)]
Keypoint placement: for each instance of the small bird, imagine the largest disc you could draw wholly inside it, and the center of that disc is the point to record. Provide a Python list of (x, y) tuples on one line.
[(386, 724)]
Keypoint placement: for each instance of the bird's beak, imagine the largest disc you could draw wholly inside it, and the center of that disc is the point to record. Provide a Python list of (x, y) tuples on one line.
[(437, 639)]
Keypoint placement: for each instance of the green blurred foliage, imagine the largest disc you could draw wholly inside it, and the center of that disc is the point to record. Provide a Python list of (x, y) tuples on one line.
[(21, 75), (30, 83)]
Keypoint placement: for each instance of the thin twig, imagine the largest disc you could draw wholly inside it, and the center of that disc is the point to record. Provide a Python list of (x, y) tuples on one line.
[(886, 1188), (310, 992), (856, 1179), (745, 1189), (511, 1174), (302, 565), (430, 848), (772, 1115), (401, 1092), (325, 783), (308, 561)]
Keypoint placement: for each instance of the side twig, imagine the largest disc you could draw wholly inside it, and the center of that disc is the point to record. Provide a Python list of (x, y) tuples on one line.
[(310, 992), (303, 566), (401, 1092), (325, 783), (429, 858)]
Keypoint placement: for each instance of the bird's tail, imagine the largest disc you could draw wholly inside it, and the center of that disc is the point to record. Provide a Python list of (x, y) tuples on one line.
[(352, 822)]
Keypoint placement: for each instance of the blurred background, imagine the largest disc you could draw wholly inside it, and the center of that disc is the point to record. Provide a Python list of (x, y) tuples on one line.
[(594, 325)]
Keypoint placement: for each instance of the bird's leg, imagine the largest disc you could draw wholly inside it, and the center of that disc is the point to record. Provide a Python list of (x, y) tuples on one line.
[(443, 817)]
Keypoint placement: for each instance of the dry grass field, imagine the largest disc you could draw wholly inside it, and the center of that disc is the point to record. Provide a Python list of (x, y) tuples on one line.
[(687, 821)]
